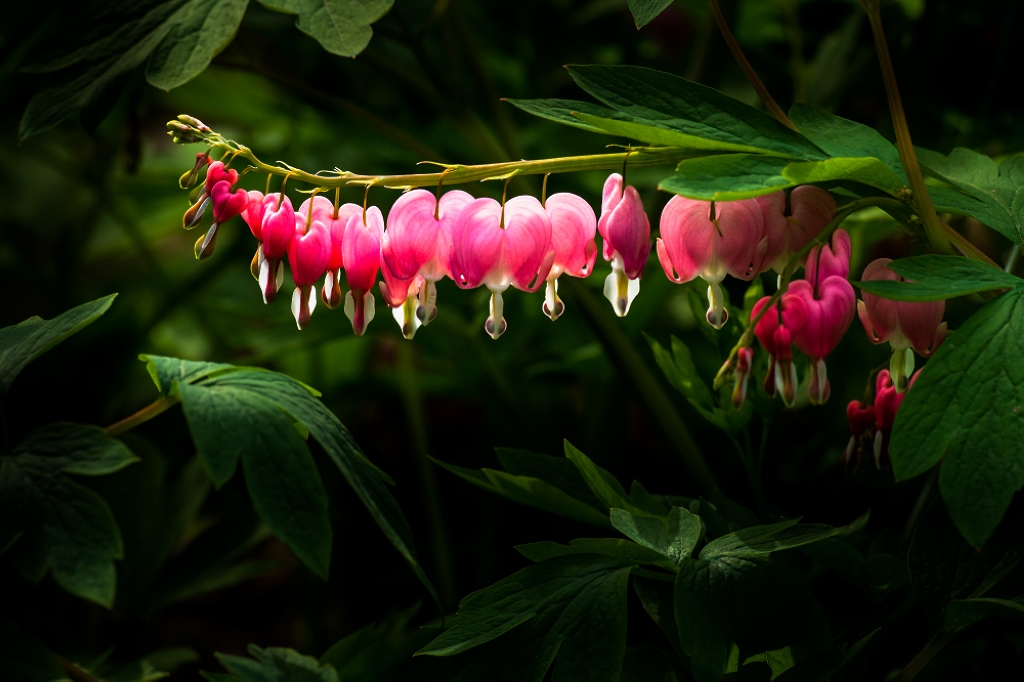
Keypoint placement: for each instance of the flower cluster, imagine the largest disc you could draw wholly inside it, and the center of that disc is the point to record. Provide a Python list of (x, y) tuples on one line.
[(871, 425)]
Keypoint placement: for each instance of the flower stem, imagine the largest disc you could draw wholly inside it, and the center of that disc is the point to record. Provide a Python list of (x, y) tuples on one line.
[(922, 201), (769, 103), (142, 416)]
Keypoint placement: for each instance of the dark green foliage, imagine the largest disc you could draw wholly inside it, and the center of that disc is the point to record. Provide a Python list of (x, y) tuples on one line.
[(936, 278)]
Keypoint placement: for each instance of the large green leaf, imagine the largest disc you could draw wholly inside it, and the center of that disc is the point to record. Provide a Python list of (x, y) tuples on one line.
[(203, 28), (999, 186), (936, 278), (646, 11), (570, 607), (613, 547), (674, 537), (277, 395), (342, 27), (759, 541), (563, 110), (840, 137), (22, 343), (276, 664), (654, 98), (67, 528), (965, 409)]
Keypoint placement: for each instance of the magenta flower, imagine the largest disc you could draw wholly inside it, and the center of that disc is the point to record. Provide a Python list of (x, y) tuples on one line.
[(573, 226), (862, 428), (903, 324), (226, 205), (744, 362), (711, 240), (361, 254), (308, 255), (416, 252), (792, 221), (775, 330), (320, 208), (277, 230), (498, 246), (830, 302), (626, 232)]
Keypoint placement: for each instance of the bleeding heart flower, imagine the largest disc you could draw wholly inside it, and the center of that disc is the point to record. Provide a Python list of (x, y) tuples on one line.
[(792, 221), (903, 324), (361, 254), (744, 361), (862, 429), (887, 401), (830, 302), (573, 226), (501, 245), (277, 230), (775, 330), (308, 255), (417, 246), (320, 208), (627, 241), (712, 240)]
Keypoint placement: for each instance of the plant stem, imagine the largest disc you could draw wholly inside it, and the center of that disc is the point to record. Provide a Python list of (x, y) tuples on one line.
[(142, 416), (407, 381), (965, 246), (773, 108), (923, 657), (922, 201), (619, 347)]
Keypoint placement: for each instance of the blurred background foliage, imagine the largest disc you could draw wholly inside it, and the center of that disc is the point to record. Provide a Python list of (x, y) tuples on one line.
[(93, 207)]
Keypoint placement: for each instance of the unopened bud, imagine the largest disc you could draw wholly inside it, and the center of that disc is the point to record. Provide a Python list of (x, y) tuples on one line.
[(194, 215), (207, 243), (744, 361), (188, 179), (195, 123)]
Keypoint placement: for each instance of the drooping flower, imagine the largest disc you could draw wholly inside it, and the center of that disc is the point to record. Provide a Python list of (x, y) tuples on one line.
[(573, 226), (308, 254), (744, 362), (862, 429), (903, 324), (792, 220), (361, 255), (626, 232), (830, 302), (711, 240), (416, 253), (775, 330), (226, 205), (277, 231), (320, 208), (500, 245), (887, 401)]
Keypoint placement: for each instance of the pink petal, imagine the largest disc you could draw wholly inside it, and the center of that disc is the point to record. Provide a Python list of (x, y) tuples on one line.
[(308, 254), (829, 260), (687, 238), (337, 229), (361, 249), (253, 213), (573, 226), (477, 243), (527, 243), (829, 314), (627, 232), (877, 314), (278, 227)]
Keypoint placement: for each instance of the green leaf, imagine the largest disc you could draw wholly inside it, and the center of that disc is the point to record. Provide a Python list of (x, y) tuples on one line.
[(301, 404), (228, 421), (824, 667), (570, 606), (965, 612), (840, 137), (68, 529), (558, 471), (758, 541), (276, 664), (372, 653), (646, 11), (203, 28), (563, 110), (604, 486), (728, 177), (657, 135), (965, 407), (747, 602), (612, 547), (999, 186), (342, 27), (653, 98), (165, 371), (530, 491), (674, 537), (936, 278), (22, 343)]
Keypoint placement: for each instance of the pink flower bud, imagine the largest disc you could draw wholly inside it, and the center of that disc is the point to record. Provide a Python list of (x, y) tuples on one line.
[(227, 204), (792, 221), (308, 254), (744, 361), (499, 246), (277, 230), (218, 173), (361, 253), (775, 331), (904, 324), (711, 240), (862, 428), (626, 232), (573, 226)]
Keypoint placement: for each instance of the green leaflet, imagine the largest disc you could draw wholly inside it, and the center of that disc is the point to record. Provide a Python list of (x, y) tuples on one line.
[(966, 407), (562, 110), (203, 28), (342, 27), (658, 99), (760, 541), (67, 528), (936, 278), (674, 537), (1000, 187), (274, 664), (840, 137), (22, 343), (646, 11), (568, 610), (611, 547)]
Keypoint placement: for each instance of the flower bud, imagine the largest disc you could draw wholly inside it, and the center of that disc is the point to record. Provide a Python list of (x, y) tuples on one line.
[(188, 179)]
